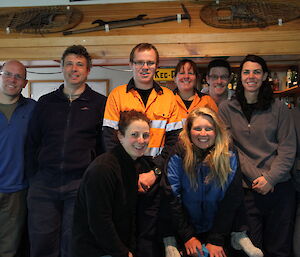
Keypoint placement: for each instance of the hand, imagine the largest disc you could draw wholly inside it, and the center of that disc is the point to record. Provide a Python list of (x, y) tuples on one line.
[(262, 186), (215, 251), (192, 245), (146, 180), (130, 254), (171, 247)]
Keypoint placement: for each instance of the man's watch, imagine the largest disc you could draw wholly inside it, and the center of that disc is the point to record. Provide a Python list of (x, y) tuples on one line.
[(157, 172)]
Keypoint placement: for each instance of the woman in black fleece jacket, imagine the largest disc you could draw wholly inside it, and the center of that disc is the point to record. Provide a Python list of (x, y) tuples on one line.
[(104, 215)]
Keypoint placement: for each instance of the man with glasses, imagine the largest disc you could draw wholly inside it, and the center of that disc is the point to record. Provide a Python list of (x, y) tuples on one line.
[(143, 94), (65, 135), (15, 112), (218, 76)]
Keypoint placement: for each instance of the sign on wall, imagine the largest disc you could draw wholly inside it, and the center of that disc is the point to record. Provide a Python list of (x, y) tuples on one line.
[(164, 74)]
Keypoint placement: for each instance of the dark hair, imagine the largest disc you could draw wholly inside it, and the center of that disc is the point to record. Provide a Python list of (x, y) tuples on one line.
[(77, 50), (127, 117), (143, 47), (265, 95), (181, 63), (218, 63)]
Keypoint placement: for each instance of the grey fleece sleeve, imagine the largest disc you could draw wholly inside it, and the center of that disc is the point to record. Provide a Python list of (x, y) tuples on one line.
[(286, 151)]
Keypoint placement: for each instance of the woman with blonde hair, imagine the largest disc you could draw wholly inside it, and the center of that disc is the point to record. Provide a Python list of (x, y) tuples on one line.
[(203, 175)]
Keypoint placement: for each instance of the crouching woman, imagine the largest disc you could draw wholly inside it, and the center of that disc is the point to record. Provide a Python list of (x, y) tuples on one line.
[(203, 175), (104, 215)]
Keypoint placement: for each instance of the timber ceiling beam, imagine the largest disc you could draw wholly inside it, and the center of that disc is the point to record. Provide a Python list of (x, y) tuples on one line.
[(171, 38)]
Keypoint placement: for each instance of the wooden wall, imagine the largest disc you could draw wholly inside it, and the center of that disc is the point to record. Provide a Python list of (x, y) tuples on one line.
[(171, 38)]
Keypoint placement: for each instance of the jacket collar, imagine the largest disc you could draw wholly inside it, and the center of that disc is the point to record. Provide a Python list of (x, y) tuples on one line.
[(233, 104), (131, 85), (85, 96), (176, 92), (121, 154), (22, 100)]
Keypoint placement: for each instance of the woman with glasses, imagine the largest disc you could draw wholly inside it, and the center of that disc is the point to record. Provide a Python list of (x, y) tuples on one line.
[(264, 135), (187, 95)]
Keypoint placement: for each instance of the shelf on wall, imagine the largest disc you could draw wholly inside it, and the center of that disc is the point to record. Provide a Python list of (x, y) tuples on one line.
[(293, 92)]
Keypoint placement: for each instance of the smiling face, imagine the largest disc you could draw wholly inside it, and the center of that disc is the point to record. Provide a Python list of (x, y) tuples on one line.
[(218, 79), (143, 67), (203, 132), (186, 78), (252, 76), (12, 80), (75, 70), (136, 138)]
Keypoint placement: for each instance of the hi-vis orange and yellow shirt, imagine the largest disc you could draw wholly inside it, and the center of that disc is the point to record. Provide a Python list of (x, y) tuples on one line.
[(200, 100), (161, 109)]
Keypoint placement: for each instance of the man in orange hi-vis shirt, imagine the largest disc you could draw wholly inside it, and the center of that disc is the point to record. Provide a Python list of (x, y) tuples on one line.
[(143, 94)]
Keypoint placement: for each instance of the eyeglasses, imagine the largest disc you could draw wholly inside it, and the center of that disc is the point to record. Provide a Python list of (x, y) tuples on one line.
[(142, 63), (215, 77), (8, 74)]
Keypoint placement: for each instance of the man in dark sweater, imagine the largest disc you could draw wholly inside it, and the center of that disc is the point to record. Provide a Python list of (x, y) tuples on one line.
[(65, 136)]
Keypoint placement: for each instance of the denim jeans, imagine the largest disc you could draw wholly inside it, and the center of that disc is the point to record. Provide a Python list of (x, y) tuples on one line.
[(50, 219)]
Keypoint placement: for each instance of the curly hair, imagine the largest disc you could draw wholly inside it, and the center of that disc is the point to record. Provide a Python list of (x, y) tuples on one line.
[(77, 50), (127, 117)]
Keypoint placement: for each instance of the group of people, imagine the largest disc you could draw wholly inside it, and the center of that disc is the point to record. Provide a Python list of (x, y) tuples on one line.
[(148, 172)]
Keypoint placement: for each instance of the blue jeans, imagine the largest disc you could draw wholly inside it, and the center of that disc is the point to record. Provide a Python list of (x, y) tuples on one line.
[(50, 218)]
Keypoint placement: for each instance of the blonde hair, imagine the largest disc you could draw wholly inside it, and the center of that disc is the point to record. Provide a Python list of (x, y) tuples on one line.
[(218, 159)]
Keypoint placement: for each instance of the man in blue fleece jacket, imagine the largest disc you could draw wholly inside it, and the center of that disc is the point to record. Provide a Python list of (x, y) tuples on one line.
[(15, 112)]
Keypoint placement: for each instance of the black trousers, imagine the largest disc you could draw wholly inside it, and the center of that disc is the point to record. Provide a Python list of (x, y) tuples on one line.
[(270, 219), (149, 240)]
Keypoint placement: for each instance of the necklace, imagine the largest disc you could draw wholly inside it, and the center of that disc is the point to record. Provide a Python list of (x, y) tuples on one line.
[(72, 97)]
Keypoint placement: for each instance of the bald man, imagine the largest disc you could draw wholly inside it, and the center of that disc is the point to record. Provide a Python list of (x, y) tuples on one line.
[(15, 112)]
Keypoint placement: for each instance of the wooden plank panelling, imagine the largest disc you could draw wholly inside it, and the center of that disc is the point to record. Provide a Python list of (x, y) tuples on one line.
[(172, 39)]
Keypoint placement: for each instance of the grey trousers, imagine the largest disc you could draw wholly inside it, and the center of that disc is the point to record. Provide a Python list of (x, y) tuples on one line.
[(12, 219)]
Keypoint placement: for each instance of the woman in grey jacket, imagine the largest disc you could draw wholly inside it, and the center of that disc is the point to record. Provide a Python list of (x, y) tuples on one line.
[(263, 133), (296, 180)]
